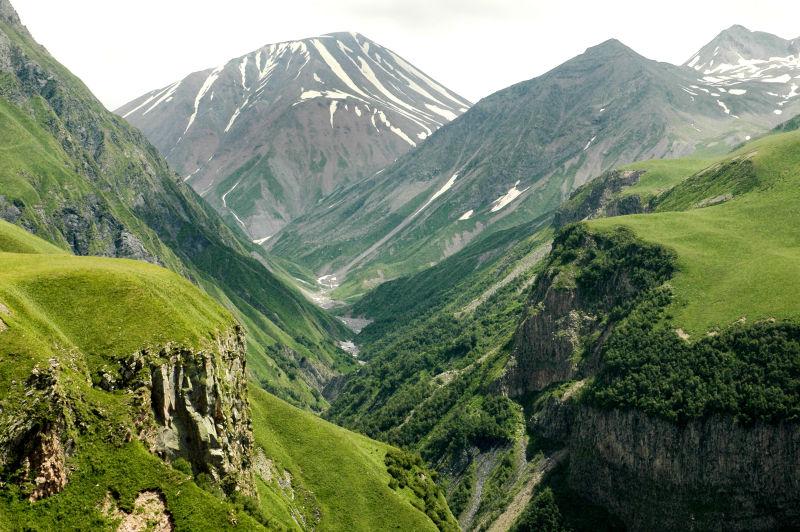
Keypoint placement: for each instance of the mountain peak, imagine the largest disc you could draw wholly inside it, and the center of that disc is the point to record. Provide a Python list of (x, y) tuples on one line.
[(344, 35), (738, 29), (610, 47), (361, 103), (740, 43)]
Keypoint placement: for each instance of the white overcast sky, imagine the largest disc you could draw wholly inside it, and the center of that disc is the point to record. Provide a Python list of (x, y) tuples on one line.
[(124, 48)]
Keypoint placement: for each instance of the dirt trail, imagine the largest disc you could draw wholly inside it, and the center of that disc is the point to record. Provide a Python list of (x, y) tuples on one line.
[(522, 499)]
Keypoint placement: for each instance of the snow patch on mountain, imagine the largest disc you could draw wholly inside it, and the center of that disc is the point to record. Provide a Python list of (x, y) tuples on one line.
[(212, 78), (335, 67), (447, 186), (448, 115), (504, 200)]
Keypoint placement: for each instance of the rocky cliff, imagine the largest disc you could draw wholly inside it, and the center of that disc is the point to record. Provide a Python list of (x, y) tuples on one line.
[(600, 198), (716, 469), (199, 408), (587, 284), (188, 403), (709, 474)]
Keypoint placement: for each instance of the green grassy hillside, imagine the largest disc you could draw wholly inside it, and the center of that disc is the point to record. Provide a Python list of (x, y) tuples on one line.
[(737, 259), (84, 180), (81, 316), (339, 478)]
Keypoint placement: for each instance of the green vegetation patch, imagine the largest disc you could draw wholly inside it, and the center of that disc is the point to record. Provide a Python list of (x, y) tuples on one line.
[(739, 259), (749, 371), (408, 471), (344, 471)]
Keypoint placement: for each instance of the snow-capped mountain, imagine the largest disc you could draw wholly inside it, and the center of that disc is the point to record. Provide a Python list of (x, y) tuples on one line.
[(740, 62), (265, 136), (515, 155)]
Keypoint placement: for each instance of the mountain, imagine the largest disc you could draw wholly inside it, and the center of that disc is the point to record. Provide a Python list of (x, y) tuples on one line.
[(85, 180), (513, 157), (125, 401), (664, 313), (742, 63), (738, 47), (266, 136)]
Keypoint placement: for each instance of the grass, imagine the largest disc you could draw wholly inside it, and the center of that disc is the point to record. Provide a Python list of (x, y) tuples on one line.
[(739, 259), (102, 307), (662, 174), (344, 471), (85, 312), (123, 471)]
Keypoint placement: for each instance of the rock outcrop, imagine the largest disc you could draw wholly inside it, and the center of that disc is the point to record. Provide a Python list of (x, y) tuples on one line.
[(568, 320), (710, 474), (600, 198), (34, 437), (8, 14), (199, 408), (190, 404)]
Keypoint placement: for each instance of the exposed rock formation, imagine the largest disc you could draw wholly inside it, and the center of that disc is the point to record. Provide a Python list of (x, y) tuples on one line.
[(149, 513), (45, 464), (711, 474), (192, 404), (569, 313), (600, 198), (33, 448), (200, 410)]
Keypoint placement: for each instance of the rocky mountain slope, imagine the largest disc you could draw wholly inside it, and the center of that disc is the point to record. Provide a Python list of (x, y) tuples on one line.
[(516, 154), (85, 180), (266, 136)]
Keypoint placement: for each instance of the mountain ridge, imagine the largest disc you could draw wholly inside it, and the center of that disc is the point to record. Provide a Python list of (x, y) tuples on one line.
[(520, 152)]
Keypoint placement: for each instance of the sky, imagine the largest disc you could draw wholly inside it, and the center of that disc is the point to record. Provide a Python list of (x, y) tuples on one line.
[(124, 48)]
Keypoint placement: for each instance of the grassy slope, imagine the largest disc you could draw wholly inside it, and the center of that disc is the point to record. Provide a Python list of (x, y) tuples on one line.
[(740, 258), (47, 171), (343, 471), (662, 174), (85, 312)]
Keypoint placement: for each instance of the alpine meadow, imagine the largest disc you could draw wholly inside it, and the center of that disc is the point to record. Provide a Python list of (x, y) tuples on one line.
[(315, 288)]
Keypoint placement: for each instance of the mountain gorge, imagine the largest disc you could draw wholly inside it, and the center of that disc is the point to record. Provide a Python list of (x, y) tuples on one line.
[(574, 303), (266, 136), (518, 153), (634, 348)]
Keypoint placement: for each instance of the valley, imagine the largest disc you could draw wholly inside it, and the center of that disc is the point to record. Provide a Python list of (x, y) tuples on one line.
[(315, 289)]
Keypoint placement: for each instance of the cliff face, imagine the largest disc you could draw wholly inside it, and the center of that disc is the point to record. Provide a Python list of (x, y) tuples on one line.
[(188, 403), (200, 410), (572, 312), (710, 472), (600, 198)]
